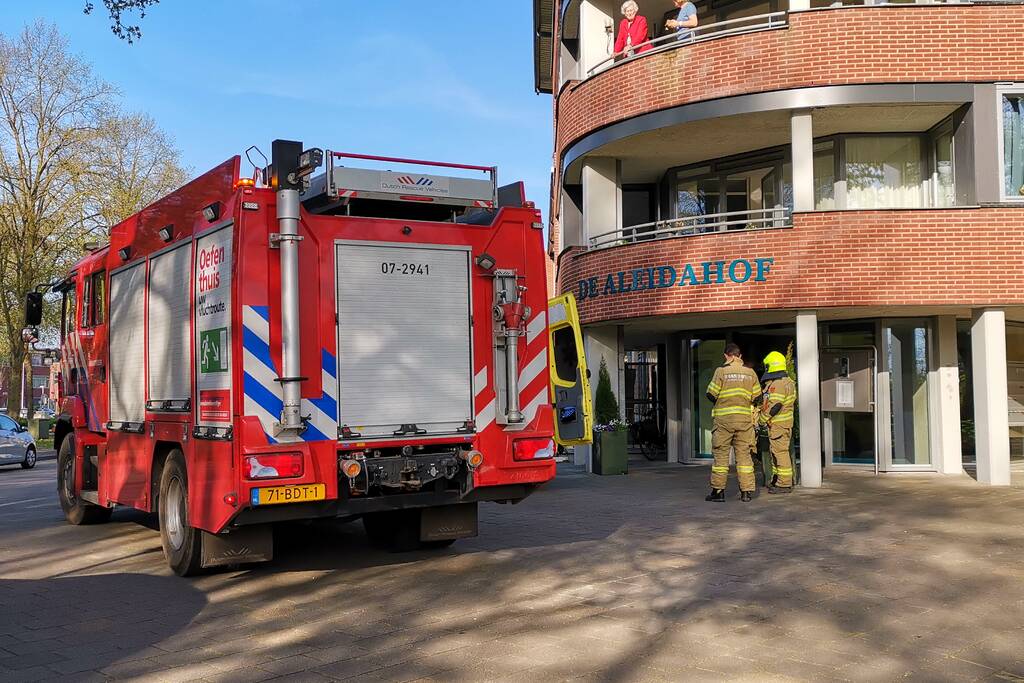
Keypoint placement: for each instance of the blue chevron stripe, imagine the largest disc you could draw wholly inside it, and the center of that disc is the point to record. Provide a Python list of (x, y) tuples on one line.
[(328, 364), (263, 311), (254, 345)]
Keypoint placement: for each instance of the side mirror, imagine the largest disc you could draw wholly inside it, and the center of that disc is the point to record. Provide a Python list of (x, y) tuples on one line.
[(33, 309)]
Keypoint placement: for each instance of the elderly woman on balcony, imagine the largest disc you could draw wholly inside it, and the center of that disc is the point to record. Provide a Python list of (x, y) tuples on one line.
[(632, 38)]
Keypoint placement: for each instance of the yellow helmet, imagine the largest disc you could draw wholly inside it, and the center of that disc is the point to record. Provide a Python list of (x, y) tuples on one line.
[(775, 362)]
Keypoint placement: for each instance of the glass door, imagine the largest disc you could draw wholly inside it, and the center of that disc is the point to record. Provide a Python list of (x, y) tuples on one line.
[(705, 356), (904, 390)]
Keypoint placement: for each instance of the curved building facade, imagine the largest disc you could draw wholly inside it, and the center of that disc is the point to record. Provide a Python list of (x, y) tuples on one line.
[(839, 181)]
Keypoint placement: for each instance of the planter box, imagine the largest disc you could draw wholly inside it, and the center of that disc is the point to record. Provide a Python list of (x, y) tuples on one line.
[(610, 455)]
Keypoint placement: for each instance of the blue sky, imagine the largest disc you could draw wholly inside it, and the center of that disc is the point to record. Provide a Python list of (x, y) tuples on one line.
[(450, 80)]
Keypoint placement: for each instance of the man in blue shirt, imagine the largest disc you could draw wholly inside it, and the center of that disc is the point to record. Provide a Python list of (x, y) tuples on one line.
[(685, 20)]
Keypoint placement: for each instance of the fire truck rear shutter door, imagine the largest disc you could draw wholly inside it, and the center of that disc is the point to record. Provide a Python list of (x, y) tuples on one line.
[(405, 355), (127, 326), (169, 279)]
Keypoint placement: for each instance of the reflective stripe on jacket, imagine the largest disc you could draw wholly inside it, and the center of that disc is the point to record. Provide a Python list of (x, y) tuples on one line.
[(781, 392), (734, 389)]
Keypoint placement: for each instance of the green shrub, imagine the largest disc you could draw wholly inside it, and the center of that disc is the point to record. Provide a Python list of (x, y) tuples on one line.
[(606, 406)]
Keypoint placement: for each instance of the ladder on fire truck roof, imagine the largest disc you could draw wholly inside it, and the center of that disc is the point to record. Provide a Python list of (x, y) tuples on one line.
[(341, 185)]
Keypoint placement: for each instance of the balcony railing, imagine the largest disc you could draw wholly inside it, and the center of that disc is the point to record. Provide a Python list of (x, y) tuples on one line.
[(697, 34), (754, 219)]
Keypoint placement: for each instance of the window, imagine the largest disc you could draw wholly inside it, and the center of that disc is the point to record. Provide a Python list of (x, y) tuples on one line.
[(67, 315), (751, 183), (94, 299), (824, 176), (943, 181), (1013, 146), (8, 424), (883, 172), (566, 360)]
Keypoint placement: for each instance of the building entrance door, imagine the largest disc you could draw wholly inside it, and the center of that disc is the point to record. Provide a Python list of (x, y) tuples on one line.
[(849, 405), (903, 390)]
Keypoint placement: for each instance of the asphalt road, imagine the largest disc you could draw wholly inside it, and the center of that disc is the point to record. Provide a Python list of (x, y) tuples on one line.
[(594, 578)]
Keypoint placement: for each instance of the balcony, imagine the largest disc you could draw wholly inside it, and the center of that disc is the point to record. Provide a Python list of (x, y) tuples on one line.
[(755, 219), (699, 34)]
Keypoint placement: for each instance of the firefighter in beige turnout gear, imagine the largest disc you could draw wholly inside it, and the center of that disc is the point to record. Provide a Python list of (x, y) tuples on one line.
[(777, 414), (734, 390)]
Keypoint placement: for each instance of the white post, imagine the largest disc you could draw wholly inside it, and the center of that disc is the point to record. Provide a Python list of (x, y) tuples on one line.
[(802, 144), (673, 398), (600, 196), (991, 416), (946, 378), (808, 399)]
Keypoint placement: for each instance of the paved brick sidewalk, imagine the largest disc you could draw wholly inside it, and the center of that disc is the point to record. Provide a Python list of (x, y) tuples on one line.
[(613, 579)]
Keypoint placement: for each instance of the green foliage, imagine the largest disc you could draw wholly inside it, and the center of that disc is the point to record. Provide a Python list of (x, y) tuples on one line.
[(791, 362), (606, 406)]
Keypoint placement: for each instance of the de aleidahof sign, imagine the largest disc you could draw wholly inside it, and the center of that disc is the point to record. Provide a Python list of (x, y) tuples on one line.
[(738, 271)]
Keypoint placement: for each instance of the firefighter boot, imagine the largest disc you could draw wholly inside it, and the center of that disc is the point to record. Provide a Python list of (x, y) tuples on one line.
[(775, 488), (746, 496), (716, 496)]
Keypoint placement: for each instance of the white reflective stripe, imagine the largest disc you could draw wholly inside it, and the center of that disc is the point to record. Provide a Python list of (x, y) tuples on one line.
[(480, 381), (486, 416), (256, 410), (263, 375), (532, 370), (330, 384), (533, 406), (534, 328), (256, 324), (324, 423)]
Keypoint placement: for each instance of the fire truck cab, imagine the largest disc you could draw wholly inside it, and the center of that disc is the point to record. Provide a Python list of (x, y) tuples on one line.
[(363, 343)]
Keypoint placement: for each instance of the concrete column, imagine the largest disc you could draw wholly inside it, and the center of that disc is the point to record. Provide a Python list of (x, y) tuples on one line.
[(808, 398), (799, 5), (598, 343), (674, 382), (945, 378), (802, 140), (600, 196), (991, 418), (595, 43), (985, 111)]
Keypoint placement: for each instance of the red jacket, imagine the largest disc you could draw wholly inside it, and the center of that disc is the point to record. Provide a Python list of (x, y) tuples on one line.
[(636, 32)]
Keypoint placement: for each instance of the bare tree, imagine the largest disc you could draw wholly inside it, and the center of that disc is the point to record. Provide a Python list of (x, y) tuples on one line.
[(132, 163), (117, 9), (69, 169)]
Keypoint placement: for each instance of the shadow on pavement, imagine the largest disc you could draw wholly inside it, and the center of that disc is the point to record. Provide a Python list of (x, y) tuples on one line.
[(81, 623)]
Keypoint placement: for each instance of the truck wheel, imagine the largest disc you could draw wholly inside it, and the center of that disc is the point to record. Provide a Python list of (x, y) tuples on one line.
[(182, 543), (76, 510)]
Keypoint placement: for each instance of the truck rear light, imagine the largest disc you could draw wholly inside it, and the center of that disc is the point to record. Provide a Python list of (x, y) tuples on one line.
[(351, 468), (533, 449), (473, 458), (274, 466)]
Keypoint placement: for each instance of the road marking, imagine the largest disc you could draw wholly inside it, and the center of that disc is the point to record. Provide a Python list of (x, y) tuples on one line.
[(22, 502)]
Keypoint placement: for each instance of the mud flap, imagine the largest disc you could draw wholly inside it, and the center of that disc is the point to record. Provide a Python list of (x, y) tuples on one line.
[(446, 522), (241, 546)]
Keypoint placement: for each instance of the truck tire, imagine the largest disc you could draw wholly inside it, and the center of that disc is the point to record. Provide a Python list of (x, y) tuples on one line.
[(76, 510), (182, 542)]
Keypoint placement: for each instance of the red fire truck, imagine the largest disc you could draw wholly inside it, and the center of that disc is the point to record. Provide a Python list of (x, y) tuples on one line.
[(358, 343)]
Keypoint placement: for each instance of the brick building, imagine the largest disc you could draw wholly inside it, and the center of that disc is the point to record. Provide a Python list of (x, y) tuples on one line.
[(843, 180)]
